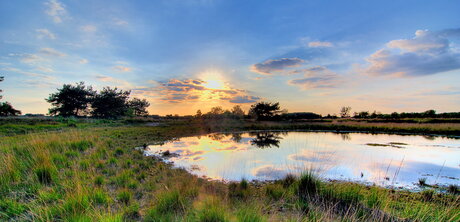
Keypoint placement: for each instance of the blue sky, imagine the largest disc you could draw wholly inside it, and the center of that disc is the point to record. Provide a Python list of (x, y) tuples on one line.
[(184, 55)]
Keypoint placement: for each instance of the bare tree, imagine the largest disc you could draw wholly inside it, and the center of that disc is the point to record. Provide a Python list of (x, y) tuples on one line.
[(345, 111)]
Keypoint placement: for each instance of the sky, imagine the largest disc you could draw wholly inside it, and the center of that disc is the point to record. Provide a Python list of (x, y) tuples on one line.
[(185, 55)]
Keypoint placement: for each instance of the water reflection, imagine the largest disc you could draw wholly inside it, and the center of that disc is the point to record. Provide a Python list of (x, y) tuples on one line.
[(396, 160), (266, 139)]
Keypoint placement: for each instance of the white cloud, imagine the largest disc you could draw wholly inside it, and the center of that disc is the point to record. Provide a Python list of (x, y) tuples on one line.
[(114, 81), (88, 28), (316, 77), (45, 33), (44, 69), (427, 53), (56, 10), (27, 73), (30, 58), (318, 44), (83, 61), (122, 68), (51, 52), (120, 22)]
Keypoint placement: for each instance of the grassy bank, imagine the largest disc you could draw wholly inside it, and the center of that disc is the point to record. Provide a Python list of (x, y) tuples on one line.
[(95, 174)]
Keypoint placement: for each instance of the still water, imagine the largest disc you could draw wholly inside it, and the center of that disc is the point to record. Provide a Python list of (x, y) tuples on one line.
[(385, 160)]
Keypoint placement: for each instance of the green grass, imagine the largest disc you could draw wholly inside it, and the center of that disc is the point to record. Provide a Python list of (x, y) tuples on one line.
[(95, 174)]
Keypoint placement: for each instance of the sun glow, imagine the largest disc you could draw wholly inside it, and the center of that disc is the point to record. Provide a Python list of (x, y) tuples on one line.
[(213, 80)]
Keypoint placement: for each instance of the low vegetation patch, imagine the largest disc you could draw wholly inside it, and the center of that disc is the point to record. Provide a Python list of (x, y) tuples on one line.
[(95, 174)]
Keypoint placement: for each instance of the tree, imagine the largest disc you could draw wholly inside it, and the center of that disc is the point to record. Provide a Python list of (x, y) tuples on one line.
[(237, 111), (110, 103), (6, 109), (216, 111), (264, 110), (198, 114), (139, 106), (345, 111), (1, 80), (71, 100)]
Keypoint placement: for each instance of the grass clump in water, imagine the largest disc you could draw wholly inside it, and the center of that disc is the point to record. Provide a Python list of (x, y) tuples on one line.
[(422, 181)]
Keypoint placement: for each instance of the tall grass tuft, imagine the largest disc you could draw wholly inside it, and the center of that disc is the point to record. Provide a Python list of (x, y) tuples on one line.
[(249, 214), (288, 180), (44, 175), (453, 189), (308, 185), (422, 182), (212, 211)]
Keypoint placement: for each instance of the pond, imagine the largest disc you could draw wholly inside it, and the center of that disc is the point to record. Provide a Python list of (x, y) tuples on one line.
[(381, 159)]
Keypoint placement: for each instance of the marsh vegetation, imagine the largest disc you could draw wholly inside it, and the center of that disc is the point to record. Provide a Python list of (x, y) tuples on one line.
[(96, 174)]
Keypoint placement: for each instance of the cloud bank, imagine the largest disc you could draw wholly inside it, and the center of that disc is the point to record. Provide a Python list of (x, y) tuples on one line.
[(426, 54), (193, 90)]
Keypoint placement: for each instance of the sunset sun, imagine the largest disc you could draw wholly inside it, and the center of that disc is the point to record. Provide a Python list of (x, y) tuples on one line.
[(213, 80)]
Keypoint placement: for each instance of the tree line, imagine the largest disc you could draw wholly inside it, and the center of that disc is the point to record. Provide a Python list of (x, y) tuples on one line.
[(345, 112), (81, 100)]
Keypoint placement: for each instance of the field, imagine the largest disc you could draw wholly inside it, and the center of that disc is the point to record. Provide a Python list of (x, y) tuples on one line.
[(88, 170)]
